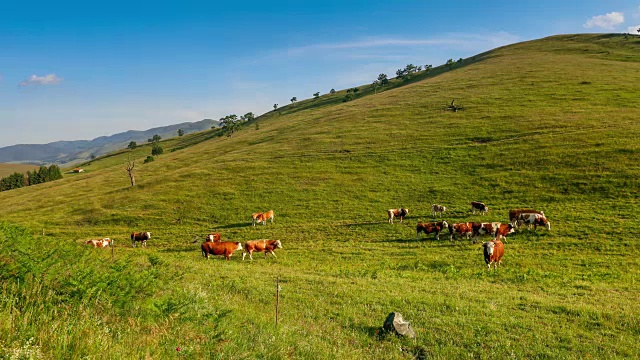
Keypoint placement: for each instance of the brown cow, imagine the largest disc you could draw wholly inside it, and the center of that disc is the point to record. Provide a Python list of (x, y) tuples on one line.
[(515, 213), (269, 215), (266, 246), (226, 248), (462, 229), (100, 242), (493, 252), (504, 230), (262, 217), (479, 206), (213, 237), (431, 228), (397, 213), (257, 218), (140, 236)]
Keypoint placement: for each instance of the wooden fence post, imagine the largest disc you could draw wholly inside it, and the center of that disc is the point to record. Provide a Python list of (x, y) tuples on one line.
[(277, 298)]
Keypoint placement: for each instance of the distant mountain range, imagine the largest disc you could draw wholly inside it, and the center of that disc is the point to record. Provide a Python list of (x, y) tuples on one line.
[(69, 152)]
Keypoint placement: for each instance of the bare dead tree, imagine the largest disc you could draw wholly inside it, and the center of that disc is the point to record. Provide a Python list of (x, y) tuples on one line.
[(129, 168)]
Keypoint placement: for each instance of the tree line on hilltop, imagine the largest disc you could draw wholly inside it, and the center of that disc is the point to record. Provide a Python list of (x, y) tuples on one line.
[(404, 74), (42, 175)]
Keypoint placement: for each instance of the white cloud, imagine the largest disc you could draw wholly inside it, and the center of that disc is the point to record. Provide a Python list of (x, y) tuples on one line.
[(607, 21), (456, 39), (50, 79), (633, 30)]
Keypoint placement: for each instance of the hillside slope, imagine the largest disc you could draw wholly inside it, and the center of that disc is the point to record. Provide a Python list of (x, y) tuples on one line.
[(550, 124)]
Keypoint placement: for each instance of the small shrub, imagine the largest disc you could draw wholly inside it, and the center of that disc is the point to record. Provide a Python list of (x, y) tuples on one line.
[(149, 159), (156, 150)]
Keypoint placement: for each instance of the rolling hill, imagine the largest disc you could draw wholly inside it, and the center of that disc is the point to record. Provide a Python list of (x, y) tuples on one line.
[(70, 152), (550, 124)]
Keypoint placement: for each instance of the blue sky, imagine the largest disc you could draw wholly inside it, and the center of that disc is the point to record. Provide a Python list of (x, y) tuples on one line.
[(79, 70)]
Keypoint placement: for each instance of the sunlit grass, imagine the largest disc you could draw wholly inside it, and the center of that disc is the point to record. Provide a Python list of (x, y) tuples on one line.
[(547, 124)]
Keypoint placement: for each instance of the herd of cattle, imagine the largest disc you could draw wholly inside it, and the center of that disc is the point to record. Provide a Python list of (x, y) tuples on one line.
[(493, 249)]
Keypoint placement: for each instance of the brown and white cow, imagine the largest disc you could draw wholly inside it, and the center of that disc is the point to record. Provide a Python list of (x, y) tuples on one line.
[(140, 236), (479, 206), (397, 213), (535, 220), (504, 230), (213, 237), (493, 252), (484, 229), (262, 217), (226, 248), (257, 218), (431, 228), (100, 243), (437, 209), (266, 246), (460, 229), (269, 215), (515, 213)]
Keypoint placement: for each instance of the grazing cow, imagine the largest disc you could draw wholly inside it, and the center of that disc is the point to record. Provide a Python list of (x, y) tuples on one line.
[(262, 217), (269, 215), (482, 229), (100, 242), (493, 252), (515, 213), (226, 248), (258, 218), (397, 213), (140, 236), (535, 220), (438, 209), (431, 228), (479, 206), (266, 246), (504, 230), (461, 229), (213, 237)]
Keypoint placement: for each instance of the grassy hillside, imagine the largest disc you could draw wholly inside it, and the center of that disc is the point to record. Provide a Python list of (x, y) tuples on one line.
[(550, 124), (8, 169)]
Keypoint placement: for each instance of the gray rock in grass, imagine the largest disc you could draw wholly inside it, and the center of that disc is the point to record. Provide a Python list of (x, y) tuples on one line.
[(396, 324)]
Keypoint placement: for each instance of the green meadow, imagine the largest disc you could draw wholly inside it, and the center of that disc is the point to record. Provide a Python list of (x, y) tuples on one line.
[(550, 124)]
